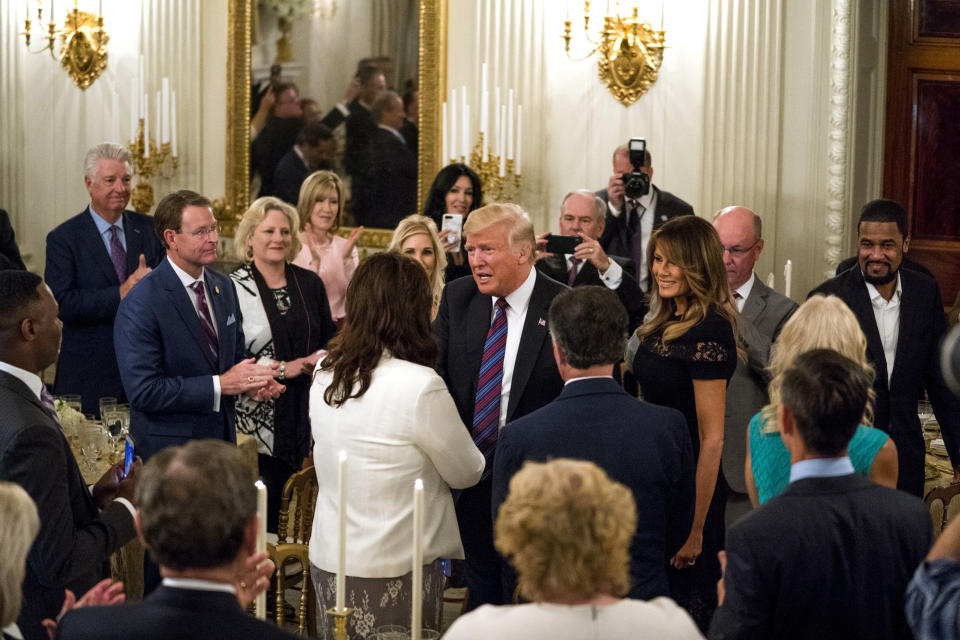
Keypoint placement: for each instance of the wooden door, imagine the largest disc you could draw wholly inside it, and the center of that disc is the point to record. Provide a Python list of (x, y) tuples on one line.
[(922, 145)]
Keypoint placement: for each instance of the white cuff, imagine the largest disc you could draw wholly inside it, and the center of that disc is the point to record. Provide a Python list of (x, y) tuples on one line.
[(216, 393), (128, 505), (342, 108), (613, 276), (613, 210)]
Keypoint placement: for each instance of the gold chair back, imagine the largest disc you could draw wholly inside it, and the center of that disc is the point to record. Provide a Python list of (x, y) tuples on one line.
[(297, 506), (944, 505)]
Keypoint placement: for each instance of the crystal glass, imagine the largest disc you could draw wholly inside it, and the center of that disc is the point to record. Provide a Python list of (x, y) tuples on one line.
[(391, 632), (93, 442), (107, 402)]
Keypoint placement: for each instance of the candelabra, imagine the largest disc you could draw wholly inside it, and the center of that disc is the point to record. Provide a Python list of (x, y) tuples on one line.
[(340, 622), (83, 43), (629, 50), (497, 175), (149, 160)]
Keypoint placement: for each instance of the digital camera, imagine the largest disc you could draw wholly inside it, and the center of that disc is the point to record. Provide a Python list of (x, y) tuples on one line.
[(636, 183)]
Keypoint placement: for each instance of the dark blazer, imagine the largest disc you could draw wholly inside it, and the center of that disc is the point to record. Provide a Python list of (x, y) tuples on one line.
[(169, 613), (388, 191), (85, 284), (616, 236), (9, 252), (644, 446), (411, 133), (764, 313), (290, 173), (72, 550), (829, 558), (630, 294), (360, 126), (916, 367), (270, 146), (165, 364)]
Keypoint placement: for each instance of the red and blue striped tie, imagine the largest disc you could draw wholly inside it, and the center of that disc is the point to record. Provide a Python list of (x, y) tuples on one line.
[(486, 409), (206, 321)]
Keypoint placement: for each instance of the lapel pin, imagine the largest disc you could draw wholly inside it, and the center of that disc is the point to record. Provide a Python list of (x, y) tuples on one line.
[(216, 289), (542, 322)]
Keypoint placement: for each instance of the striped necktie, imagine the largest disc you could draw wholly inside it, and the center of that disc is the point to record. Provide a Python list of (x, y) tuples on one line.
[(118, 255), (486, 409), (206, 320)]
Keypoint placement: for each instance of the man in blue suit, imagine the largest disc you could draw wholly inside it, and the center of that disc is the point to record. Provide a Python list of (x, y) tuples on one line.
[(93, 261), (643, 446), (179, 339)]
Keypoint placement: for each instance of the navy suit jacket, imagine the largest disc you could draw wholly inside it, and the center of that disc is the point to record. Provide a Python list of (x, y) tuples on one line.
[(643, 446), (9, 252), (169, 613), (165, 363), (916, 366), (72, 549), (85, 284)]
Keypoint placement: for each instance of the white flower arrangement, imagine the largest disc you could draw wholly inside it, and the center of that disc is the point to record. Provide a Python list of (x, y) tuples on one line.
[(289, 9)]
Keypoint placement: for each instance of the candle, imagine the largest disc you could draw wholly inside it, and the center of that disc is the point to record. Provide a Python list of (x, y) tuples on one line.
[(159, 117), (771, 279), (443, 139), (510, 124), (260, 604), (496, 115), (453, 127), (416, 588), (787, 277), (483, 79), (342, 537), (484, 117), (146, 127), (143, 107), (134, 112), (173, 122), (115, 116), (500, 142), (519, 137), (465, 133), (165, 120)]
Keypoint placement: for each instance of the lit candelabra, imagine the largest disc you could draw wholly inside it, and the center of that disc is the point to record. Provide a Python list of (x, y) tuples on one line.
[(152, 156), (83, 42)]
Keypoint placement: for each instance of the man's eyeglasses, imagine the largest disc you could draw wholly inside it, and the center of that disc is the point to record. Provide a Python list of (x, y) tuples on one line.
[(203, 232), (739, 252)]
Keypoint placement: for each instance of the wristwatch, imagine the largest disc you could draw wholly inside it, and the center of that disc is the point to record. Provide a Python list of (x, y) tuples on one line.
[(283, 370)]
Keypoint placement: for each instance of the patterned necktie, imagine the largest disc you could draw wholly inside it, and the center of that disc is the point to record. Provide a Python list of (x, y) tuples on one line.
[(118, 255), (47, 401), (206, 321), (637, 250), (574, 269), (486, 409)]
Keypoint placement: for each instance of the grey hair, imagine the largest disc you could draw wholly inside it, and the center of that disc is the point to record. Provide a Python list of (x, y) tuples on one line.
[(599, 205), (18, 527), (105, 151)]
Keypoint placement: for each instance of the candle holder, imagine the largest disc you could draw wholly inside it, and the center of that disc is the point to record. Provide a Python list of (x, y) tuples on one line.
[(83, 43), (147, 165), (495, 186), (340, 622)]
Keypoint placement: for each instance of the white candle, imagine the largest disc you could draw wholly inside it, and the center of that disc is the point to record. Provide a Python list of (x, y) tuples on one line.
[(510, 124), (143, 107), (416, 588), (465, 133), (787, 277), (443, 140), (453, 127), (115, 117), (173, 122), (342, 537), (500, 142), (519, 137), (159, 116), (498, 122), (483, 79), (484, 120), (260, 605), (771, 279), (165, 120), (146, 127), (134, 111)]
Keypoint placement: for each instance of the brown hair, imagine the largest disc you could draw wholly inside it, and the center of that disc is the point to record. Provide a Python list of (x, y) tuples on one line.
[(388, 306), (169, 211), (313, 188)]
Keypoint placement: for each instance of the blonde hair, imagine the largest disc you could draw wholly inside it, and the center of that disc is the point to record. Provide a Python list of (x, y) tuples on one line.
[(509, 214), (18, 528), (692, 244), (312, 190), (822, 322), (566, 528), (418, 225), (254, 216)]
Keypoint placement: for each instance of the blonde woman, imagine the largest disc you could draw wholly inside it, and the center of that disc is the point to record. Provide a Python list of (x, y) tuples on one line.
[(683, 355), (576, 589), (286, 319), (416, 236), (820, 323), (331, 257)]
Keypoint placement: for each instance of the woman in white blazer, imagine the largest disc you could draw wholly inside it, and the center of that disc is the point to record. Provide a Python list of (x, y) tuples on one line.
[(376, 397)]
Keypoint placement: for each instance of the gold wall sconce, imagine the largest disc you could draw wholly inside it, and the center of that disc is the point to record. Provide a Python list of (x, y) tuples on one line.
[(83, 42), (629, 51)]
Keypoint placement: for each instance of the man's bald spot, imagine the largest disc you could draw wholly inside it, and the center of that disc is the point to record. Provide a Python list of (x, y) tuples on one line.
[(741, 215)]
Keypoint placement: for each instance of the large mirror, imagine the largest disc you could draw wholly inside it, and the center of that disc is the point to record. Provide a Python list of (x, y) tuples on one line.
[(248, 63)]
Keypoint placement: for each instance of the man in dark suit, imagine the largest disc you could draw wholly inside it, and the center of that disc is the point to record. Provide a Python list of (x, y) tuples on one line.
[(582, 214), (313, 150), (360, 124), (632, 220), (76, 538), (277, 136), (763, 312), (205, 566), (9, 252), (832, 555), (388, 191), (179, 337), (643, 446), (93, 261), (495, 322), (901, 313)]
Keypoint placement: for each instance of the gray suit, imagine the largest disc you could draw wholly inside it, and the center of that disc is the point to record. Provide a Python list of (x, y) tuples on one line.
[(764, 313)]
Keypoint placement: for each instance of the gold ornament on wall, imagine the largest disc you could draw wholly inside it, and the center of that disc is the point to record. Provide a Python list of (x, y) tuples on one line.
[(83, 43), (629, 52)]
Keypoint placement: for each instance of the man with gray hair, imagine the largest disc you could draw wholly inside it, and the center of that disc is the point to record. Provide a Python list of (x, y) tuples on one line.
[(93, 260), (582, 214), (197, 516)]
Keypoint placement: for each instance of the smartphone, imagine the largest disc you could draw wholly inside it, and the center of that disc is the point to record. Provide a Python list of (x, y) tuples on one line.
[(452, 222), (562, 244), (127, 455)]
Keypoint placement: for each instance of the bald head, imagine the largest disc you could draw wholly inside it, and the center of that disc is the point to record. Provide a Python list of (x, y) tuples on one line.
[(739, 229)]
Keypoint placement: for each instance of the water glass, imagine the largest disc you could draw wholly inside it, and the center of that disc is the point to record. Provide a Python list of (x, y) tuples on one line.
[(391, 632), (107, 402)]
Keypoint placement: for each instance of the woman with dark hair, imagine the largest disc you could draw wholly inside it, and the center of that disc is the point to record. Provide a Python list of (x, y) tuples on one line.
[(456, 189), (683, 355), (376, 397)]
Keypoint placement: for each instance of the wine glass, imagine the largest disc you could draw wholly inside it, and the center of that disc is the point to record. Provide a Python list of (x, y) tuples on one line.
[(92, 441)]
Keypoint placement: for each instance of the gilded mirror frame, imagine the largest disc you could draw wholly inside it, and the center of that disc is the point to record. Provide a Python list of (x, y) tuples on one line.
[(432, 75)]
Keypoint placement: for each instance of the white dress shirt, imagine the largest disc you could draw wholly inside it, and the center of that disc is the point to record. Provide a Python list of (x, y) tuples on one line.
[(646, 208), (186, 280), (518, 302), (887, 315), (611, 278), (744, 291)]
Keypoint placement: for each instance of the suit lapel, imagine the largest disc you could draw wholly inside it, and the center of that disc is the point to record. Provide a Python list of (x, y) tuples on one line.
[(180, 300), (858, 300), (587, 274), (756, 302), (478, 315), (531, 340), (555, 266), (134, 239), (95, 247)]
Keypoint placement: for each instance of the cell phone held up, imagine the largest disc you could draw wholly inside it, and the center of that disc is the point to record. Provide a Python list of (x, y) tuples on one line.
[(452, 222), (127, 456), (562, 244)]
